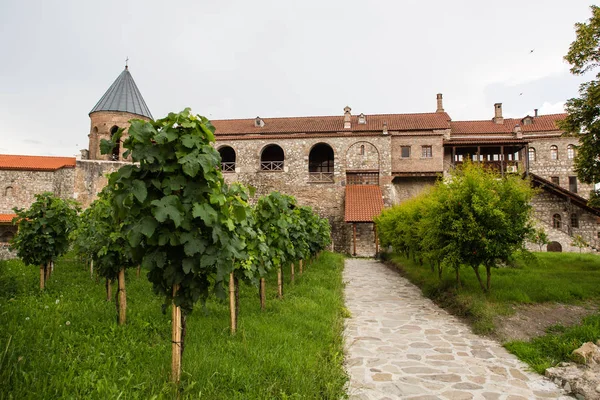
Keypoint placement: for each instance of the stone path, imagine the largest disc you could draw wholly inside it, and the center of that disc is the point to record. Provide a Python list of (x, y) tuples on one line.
[(399, 345)]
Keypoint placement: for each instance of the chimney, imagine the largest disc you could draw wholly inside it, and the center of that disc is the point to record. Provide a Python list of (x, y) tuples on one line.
[(535, 112), (440, 103), (498, 113), (347, 116), (385, 130), (517, 131), (362, 119), (259, 123)]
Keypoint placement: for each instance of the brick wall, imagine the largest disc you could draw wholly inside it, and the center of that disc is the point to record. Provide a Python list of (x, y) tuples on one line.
[(416, 162), (101, 124)]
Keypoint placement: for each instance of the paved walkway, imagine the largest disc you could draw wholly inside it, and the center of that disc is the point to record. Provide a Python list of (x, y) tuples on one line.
[(399, 345)]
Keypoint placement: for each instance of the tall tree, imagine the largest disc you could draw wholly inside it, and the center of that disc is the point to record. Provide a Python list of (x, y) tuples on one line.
[(583, 117)]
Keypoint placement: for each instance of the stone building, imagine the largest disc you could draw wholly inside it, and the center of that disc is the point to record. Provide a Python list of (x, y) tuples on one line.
[(348, 167)]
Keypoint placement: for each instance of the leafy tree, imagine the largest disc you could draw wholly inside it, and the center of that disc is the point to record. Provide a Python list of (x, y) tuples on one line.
[(584, 111), (579, 241), (539, 237), (175, 211), (44, 231)]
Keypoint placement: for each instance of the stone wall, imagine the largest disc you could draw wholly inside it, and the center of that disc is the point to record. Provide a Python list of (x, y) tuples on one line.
[(365, 240), (90, 178), (6, 253), (409, 187), (18, 188), (101, 124), (563, 167)]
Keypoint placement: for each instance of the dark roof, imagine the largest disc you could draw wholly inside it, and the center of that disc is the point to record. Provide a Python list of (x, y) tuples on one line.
[(325, 124), (123, 95), (363, 203), (35, 163), (576, 199)]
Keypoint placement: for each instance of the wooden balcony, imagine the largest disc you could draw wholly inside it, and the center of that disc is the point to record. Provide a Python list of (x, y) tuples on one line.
[(271, 165), (228, 167), (320, 177)]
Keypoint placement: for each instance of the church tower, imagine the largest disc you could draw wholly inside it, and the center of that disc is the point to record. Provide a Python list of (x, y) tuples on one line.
[(121, 103)]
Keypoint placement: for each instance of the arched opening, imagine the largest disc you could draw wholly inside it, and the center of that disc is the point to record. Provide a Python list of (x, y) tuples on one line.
[(531, 154), (320, 163), (272, 158), (570, 152), (556, 221), (554, 247), (8, 192), (227, 159), (6, 237), (117, 149), (554, 152)]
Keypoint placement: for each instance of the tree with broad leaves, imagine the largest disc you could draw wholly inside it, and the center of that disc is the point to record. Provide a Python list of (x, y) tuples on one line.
[(176, 212), (44, 231), (583, 119)]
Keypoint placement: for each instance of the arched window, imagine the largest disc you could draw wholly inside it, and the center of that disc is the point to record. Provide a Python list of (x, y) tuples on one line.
[(8, 192), (6, 237), (361, 150), (272, 158), (553, 152), (320, 163), (574, 221), (117, 149), (531, 154), (556, 221), (227, 159), (570, 152)]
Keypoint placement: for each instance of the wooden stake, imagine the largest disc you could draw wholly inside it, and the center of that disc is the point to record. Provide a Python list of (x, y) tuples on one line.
[(301, 266), (175, 340), (122, 298), (232, 319), (92, 268), (108, 290), (47, 271), (262, 293), (42, 277), (137, 272), (279, 284), (293, 275), (354, 238)]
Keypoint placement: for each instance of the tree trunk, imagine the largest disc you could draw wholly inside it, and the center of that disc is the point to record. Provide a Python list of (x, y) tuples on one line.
[(292, 272), (232, 319), (301, 266), (137, 271), (488, 270), (476, 269), (47, 271), (122, 298), (108, 290), (92, 268), (175, 339), (236, 281), (262, 294), (279, 283), (42, 277)]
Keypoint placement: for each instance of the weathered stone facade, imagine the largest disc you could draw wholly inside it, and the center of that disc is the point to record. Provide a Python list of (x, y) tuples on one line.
[(103, 125)]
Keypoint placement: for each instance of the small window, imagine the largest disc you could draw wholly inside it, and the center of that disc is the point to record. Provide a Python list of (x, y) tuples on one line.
[(553, 152), (573, 184), (426, 152), (361, 150), (574, 221), (531, 154), (570, 152), (555, 180), (556, 221), (8, 192), (404, 151)]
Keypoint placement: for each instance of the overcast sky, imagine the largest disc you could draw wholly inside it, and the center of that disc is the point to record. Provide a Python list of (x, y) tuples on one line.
[(240, 59)]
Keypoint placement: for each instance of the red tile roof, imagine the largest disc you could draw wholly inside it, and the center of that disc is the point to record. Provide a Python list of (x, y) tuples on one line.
[(35, 163), (6, 218), (363, 203), (403, 122), (542, 123)]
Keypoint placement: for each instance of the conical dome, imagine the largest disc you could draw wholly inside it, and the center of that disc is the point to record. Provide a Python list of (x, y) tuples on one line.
[(123, 95)]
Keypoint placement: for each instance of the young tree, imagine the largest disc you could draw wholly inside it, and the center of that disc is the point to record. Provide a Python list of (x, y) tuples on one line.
[(173, 204), (44, 231), (579, 241), (583, 119), (539, 237)]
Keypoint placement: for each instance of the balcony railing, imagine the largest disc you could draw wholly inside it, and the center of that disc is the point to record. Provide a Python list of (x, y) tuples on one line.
[(509, 166), (271, 165), (362, 178), (320, 177), (228, 166)]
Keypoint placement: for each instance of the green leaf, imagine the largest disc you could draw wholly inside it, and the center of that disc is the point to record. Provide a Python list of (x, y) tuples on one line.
[(148, 225), (138, 188), (169, 207), (205, 212)]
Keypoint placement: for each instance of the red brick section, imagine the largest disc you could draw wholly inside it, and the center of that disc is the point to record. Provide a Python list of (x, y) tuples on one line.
[(35, 163), (7, 218), (543, 123), (403, 122), (363, 203)]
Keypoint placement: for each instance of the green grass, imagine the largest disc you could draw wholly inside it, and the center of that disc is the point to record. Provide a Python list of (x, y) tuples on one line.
[(548, 350), (64, 343), (547, 277)]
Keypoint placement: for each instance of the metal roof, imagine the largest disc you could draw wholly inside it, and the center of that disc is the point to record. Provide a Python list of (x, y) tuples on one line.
[(123, 95)]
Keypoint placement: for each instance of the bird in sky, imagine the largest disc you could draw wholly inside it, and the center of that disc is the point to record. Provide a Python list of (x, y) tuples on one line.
[(531, 51), (521, 94)]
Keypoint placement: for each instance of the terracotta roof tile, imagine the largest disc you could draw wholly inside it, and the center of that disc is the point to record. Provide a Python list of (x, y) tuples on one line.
[(363, 203), (6, 218), (35, 163), (403, 122), (542, 123)]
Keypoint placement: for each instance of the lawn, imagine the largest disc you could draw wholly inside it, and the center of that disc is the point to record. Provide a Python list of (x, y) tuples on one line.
[(64, 343)]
